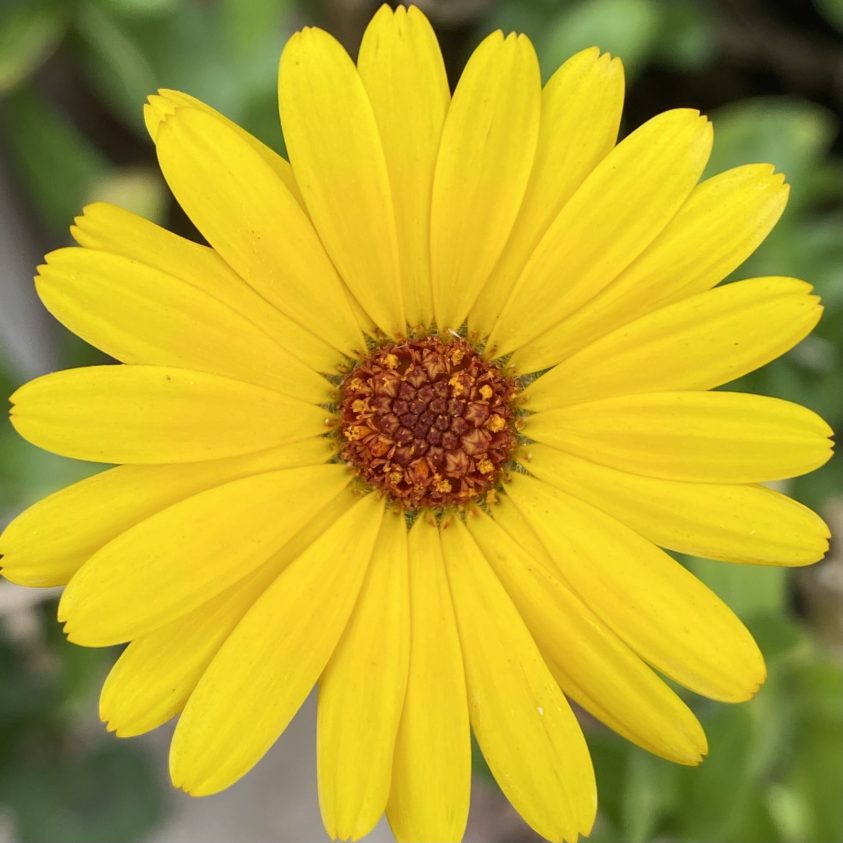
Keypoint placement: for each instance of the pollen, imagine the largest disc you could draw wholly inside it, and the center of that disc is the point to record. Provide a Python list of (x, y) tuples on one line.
[(428, 421), (496, 423), (354, 432)]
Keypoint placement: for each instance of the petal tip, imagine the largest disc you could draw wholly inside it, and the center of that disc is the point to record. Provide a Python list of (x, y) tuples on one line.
[(616, 66), (696, 748), (198, 791), (177, 778), (754, 684), (88, 216), (413, 12), (63, 609), (495, 38)]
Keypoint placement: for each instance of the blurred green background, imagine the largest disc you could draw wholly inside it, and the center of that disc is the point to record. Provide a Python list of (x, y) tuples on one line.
[(73, 77)]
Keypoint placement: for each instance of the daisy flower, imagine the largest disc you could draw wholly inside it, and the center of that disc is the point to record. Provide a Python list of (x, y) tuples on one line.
[(417, 426)]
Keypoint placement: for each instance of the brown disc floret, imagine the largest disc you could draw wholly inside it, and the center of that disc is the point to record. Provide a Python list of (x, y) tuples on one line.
[(429, 422)]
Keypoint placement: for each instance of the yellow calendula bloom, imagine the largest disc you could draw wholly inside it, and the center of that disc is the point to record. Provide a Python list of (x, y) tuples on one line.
[(415, 427)]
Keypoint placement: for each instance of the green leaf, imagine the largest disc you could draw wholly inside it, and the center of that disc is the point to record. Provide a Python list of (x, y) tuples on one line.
[(832, 11), (819, 487), (248, 26), (687, 38), (756, 824), (190, 54), (648, 792), (28, 34), (141, 8), (713, 795), (527, 16), (817, 773), (780, 637), (609, 754), (626, 28), (55, 163), (792, 134), (26, 696), (789, 811), (80, 671), (748, 589), (116, 64), (106, 794), (252, 35), (785, 645), (226, 55)]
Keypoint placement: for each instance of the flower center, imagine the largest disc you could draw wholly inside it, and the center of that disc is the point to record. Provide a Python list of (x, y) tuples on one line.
[(431, 423)]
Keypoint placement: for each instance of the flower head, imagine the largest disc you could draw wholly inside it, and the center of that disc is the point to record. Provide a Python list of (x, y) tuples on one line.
[(416, 426)]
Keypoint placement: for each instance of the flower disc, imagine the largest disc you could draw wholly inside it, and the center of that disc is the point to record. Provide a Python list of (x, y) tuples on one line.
[(429, 422)]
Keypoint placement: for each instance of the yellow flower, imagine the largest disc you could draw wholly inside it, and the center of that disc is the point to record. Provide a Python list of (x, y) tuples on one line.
[(416, 426)]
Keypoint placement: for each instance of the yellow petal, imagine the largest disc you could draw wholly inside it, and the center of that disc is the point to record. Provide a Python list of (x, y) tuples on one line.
[(247, 213), (487, 151), (138, 314), (108, 228), (432, 765), (654, 604), (724, 220), (47, 543), (628, 199), (523, 723), (704, 437), (182, 556), (698, 343), (605, 677), (340, 167), (361, 693), (163, 104), (157, 672), (580, 114), (750, 524), (403, 73), (268, 665), (154, 414)]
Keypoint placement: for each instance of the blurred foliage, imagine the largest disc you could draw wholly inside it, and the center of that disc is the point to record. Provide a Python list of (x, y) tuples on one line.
[(44, 144), (73, 78), (61, 786), (677, 33), (28, 34)]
